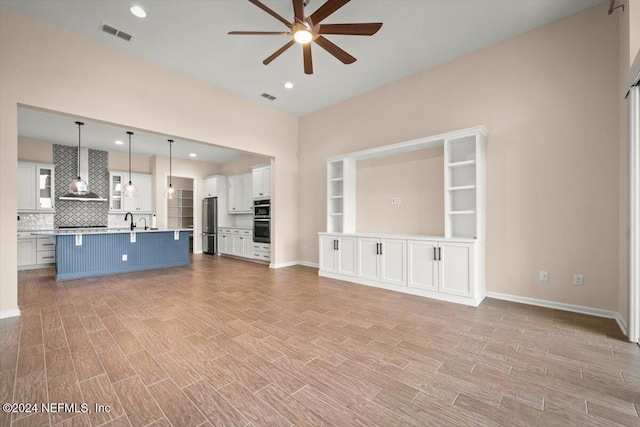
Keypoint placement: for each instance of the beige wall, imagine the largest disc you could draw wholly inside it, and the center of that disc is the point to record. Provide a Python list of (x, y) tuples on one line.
[(549, 100), (243, 164), (46, 67), (120, 162), (35, 151), (417, 178)]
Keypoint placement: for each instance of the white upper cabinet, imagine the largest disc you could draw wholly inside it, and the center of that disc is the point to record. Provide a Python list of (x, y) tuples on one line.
[(37, 187), (210, 187), (239, 197), (142, 203), (262, 182)]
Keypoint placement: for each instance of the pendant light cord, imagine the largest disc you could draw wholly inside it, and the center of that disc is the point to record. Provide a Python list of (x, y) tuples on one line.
[(130, 133), (79, 139), (170, 157)]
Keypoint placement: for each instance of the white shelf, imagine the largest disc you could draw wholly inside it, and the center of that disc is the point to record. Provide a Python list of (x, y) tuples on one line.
[(462, 187), (461, 212), (464, 164), (335, 214), (336, 197), (336, 179)]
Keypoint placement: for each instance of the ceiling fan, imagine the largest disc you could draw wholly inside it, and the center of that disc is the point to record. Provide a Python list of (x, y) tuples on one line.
[(309, 29)]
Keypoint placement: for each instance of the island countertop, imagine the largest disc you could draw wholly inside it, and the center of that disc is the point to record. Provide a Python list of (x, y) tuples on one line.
[(60, 232)]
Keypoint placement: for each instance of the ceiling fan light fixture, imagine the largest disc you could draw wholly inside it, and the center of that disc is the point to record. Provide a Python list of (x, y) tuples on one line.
[(303, 36)]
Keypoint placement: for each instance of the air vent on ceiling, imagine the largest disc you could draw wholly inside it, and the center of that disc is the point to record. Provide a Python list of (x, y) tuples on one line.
[(116, 32), (267, 96)]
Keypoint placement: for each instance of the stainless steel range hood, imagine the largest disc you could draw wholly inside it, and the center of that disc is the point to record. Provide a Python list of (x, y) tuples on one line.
[(84, 172)]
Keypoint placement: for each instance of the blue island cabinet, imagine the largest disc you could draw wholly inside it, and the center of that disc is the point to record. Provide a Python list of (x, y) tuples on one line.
[(100, 254)]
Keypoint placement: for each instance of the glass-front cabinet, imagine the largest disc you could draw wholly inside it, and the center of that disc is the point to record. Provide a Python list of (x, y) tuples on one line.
[(115, 196), (45, 194), (37, 187)]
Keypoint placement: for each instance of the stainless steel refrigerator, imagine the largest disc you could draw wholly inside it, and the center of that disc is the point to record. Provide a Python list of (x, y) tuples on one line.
[(210, 225)]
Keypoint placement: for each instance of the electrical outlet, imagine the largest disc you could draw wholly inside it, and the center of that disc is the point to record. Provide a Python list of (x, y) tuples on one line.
[(124, 257), (394, 201), (544, 276), (578, 279)]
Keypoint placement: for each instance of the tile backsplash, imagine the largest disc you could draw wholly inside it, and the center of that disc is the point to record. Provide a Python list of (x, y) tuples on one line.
[(76, 213), (35, 221)]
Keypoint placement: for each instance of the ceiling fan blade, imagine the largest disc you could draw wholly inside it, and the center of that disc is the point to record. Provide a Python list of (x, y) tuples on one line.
[(365, 29), (308, 63), (258, 33), (278, 52), (298, 10), (327, 9), (271, 12), (334, 50)]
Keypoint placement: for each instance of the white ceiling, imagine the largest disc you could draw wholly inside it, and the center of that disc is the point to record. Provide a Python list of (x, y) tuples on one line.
[(190, 36), (43, 126)]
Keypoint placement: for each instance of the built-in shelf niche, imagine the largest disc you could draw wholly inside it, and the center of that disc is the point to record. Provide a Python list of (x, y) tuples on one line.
[(464, 183)]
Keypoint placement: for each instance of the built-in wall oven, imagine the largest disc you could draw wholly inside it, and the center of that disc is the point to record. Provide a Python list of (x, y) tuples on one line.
[(262, 221)]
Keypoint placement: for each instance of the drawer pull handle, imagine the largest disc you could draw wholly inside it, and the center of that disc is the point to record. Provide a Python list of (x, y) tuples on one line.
[(46, 257)]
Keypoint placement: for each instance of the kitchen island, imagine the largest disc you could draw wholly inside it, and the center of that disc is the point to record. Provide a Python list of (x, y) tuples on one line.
[(82, 253)]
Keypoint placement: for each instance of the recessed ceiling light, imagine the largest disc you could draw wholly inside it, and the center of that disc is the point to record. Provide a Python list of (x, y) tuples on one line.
[(192, 154), (138, 11), (119, 143), (288, 85)]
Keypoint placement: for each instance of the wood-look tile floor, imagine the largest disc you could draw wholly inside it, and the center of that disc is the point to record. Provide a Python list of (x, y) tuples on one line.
[(225, 342)]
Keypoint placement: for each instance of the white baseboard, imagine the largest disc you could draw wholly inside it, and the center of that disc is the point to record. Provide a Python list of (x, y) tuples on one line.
[(309, 264), (292, 263), (283, 264), (608, 314), (9, 313)]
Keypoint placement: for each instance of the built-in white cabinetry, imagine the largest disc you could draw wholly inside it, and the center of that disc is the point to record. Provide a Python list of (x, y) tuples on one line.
[(449, 267), (422, 264), (37, 187), (235, 241), (383, 259), (239, 195), (442, 266), (464, 158), (35, 251), (262, 251), (341, 196), (419, 265), (142, 203), (338, 254), (26, 252), (261, 185)]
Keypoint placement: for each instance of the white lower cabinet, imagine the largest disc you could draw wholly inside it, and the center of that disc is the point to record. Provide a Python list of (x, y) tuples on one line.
[(423, 264), (382, 259), (338, 254), (262, 251), (35, 252), (455, 268), (27, 254), (236, 241), (223, 244), (441, 268)]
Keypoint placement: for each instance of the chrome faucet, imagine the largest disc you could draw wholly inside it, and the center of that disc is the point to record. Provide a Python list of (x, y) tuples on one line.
[(145, 223), (127, 216)]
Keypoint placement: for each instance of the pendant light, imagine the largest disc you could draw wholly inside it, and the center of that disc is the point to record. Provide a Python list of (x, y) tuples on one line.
[(170, 192), (130, 190), (78, 186)]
